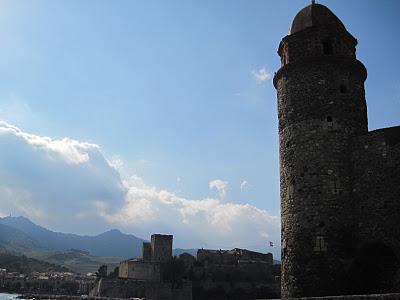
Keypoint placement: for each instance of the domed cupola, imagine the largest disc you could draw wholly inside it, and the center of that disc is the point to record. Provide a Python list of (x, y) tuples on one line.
[(316, 32), (315, 15)]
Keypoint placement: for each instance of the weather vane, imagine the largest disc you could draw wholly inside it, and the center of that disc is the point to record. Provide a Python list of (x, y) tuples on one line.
[(312, 1)]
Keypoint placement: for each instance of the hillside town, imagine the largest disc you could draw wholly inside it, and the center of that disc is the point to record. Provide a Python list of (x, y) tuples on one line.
[(67, 283)]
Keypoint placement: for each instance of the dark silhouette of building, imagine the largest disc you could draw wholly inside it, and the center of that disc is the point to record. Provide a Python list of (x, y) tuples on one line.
[(161, 247), (154, 257), (340, 184)]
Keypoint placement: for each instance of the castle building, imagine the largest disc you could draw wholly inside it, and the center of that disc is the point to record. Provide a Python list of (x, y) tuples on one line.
[(340, 183), (161, 247), (154, 254)]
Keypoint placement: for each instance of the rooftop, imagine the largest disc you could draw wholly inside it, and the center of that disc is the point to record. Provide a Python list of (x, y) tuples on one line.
[(315, 15)]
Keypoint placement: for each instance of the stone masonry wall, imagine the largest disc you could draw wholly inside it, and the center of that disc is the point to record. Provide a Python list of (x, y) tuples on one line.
[(316, 123), (146, 251), (354, 297), (129, 288), (161, 247), (292, 49), (139, 269), (376, 190), (376, 172)]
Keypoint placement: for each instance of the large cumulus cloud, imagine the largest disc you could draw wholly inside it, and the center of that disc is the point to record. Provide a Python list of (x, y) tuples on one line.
[(55, 181), (69, 185)]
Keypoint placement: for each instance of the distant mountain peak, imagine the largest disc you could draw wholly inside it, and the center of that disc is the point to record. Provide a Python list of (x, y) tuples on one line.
[(110, 243), (112, 233), (19, 218)]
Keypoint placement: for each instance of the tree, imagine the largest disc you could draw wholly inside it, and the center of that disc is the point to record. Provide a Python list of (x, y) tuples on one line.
[(102, 271), (115, 273)]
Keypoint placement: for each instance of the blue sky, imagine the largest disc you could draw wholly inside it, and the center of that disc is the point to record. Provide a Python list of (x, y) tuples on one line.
[(177, 94)]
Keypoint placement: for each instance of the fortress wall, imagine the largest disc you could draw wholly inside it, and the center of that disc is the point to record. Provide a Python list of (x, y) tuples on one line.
[(254, 256), (141, 270), (123, 270), (354, 297), (217, 256), (376, 194), (129, 288), (250, 272), (231, 257), (146, 251), (376, 173), (145, 271)]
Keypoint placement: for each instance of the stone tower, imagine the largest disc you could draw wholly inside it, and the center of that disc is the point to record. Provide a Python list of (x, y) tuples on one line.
[(161, 247), (321, 107)]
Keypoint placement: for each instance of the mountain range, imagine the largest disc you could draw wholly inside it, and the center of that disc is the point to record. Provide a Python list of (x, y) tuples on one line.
[(22, 234), (79, 253)]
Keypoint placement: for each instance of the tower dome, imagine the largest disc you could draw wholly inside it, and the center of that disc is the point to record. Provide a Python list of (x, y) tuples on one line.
[(315, 15)]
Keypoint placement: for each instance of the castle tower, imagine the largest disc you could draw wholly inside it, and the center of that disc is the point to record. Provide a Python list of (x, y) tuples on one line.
[(161, 247), (321, 107)]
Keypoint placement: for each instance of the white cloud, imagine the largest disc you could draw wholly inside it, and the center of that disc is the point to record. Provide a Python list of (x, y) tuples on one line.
[(243, 184), (261, 75), (116, 163), (220, 186), (58, 178), (69, 150), (201, 221), (69, 185)]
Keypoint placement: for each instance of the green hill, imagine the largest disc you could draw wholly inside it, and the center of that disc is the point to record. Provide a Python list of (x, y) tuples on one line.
[(76, 260), (15, 240), (22, 264)]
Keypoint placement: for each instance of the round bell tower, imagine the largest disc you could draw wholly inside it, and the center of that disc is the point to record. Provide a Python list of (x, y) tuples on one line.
[(321, 107)]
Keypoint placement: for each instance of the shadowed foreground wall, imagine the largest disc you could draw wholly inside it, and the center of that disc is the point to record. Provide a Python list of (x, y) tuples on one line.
[(354, 297)]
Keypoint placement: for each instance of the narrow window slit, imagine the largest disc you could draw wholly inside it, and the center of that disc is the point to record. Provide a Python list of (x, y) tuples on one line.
[(327, 47)]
